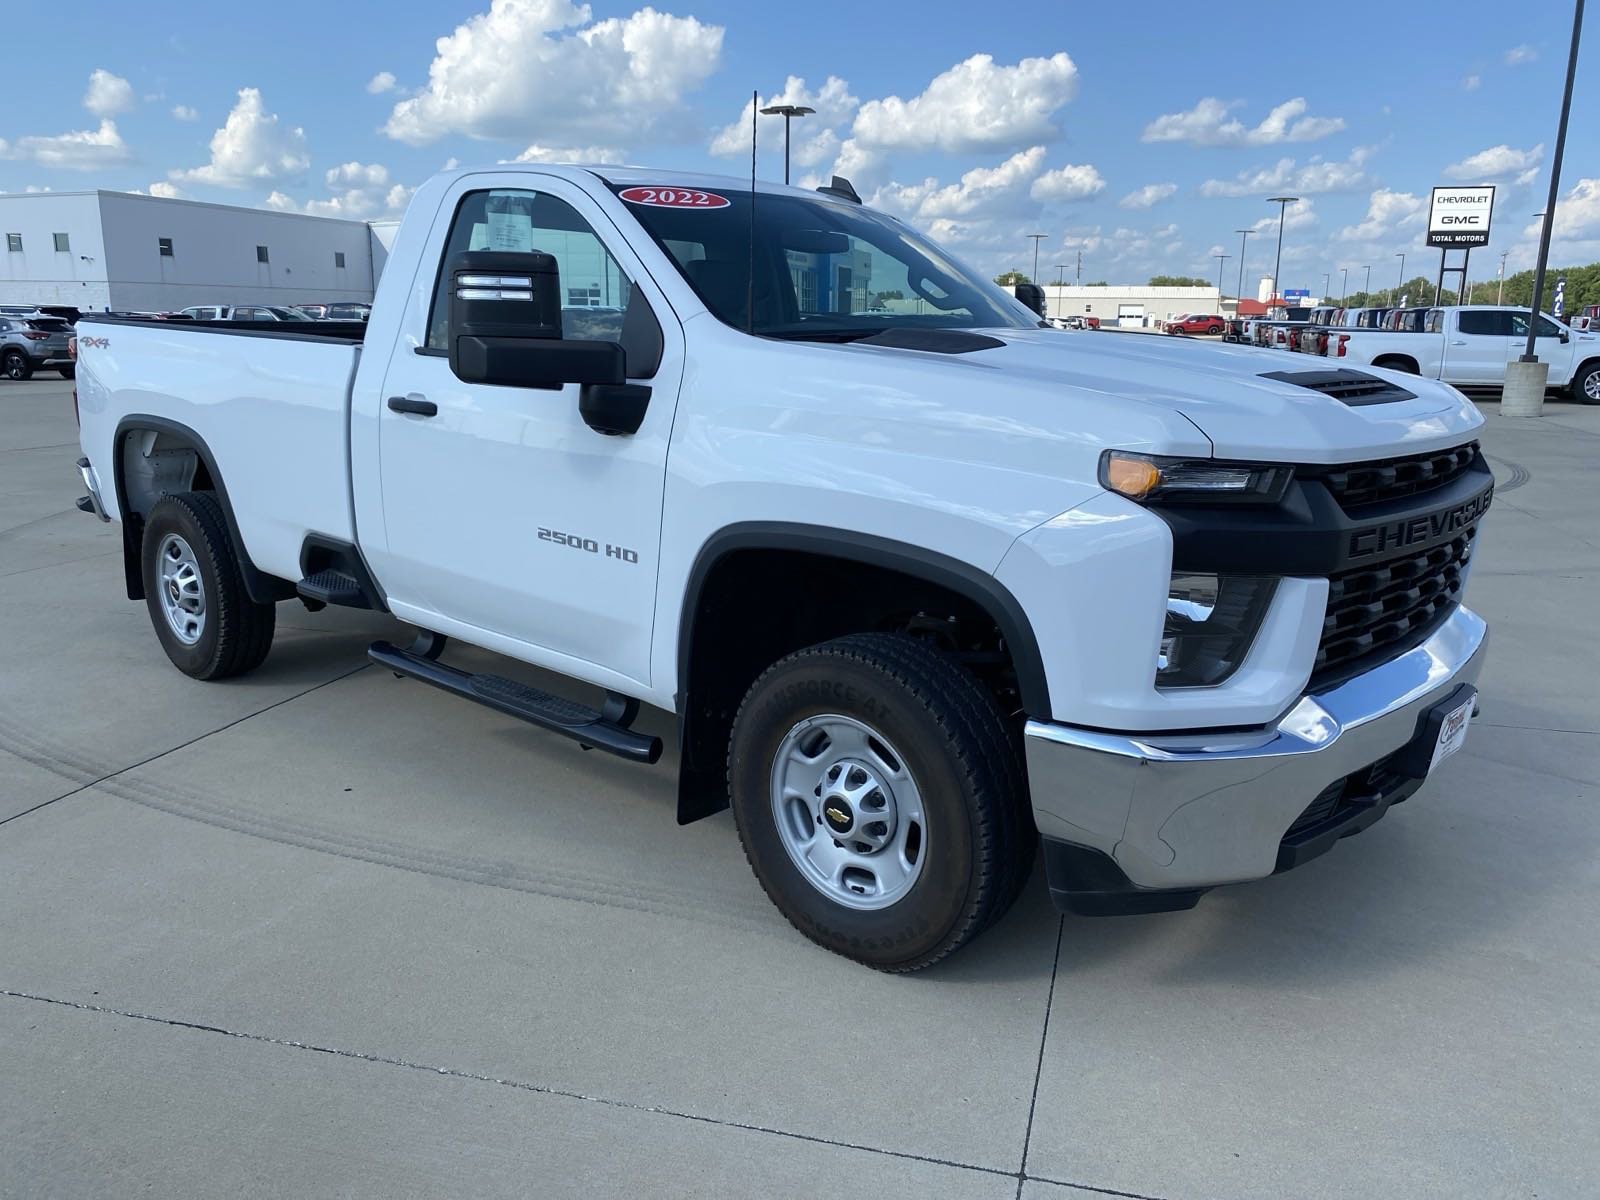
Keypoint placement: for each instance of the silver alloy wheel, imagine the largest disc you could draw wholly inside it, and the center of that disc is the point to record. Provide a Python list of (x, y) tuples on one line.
[(183, 597), (848, 812), (1591, 385)]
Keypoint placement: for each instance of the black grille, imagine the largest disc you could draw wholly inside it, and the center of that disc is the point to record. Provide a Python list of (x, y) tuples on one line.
[(1341, 798), (1393, 478), (1385, 609)]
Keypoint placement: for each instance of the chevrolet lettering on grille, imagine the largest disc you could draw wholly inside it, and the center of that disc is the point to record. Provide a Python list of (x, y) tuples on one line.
[(1417, 531)]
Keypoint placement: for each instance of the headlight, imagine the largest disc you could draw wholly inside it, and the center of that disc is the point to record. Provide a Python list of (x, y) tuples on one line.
[(1211, 621), (1148, 477)]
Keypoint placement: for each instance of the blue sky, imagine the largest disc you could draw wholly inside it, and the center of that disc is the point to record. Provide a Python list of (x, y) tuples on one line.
[(1126, 133)]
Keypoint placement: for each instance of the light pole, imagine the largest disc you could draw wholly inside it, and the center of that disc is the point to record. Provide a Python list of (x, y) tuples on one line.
[(1344, 284), (1037, 238), (1061, 276), (1283, 203), (1244, 236), (1222, 258), (1500, 296), (1402, 257), (1366, 289), (1326, 277), (788, 112)]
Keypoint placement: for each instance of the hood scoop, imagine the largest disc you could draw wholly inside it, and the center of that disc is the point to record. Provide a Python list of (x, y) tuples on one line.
[(1353, 388), (934, 341)]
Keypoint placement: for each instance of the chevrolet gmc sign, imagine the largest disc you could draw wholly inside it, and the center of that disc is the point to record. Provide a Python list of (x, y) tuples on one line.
[(1458, 217)]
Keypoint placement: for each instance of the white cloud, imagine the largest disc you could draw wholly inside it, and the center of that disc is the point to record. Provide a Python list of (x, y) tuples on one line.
[(362, 203), (108, 94), (1388, 213), (354, 174), (812, 138), (565, 154), (1316, 175), (991, 189), (80, 150), (1577, 213), (1518, 55), (540, 67), (1149, 195), (1071, 182), (1208, 123), (165, 190), (975, 105), (1471, 83), (184, 113), (251, 148), (1496, 162), (382, 82)]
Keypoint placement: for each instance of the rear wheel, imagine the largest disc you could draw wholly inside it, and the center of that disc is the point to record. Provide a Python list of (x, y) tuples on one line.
[(880, 799), (68, 372), (15, 365), (194, 589), (1586, 384)]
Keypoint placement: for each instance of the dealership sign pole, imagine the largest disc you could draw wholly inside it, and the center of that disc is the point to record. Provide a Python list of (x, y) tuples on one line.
[(1458, 219)]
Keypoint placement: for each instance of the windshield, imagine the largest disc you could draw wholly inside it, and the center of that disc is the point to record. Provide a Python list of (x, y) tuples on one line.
[(824, 270)]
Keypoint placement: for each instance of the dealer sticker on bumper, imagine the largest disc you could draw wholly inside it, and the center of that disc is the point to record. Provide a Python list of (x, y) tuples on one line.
[(1452, 732)]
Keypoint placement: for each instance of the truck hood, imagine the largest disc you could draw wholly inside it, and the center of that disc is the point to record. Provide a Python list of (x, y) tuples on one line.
[(1223, 391)]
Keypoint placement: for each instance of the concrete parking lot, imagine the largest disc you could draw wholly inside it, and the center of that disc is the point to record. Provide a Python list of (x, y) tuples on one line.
[(321, 931)]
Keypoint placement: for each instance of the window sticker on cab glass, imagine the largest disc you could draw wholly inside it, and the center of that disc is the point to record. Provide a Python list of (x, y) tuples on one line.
[(660, 197)]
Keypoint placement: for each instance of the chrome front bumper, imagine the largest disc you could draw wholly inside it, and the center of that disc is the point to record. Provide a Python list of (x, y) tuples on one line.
[(1180, 812)]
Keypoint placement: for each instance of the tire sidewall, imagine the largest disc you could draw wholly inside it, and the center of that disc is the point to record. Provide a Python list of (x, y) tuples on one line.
[(939, 899), (1579, 383), (170, 516), (21, 371)]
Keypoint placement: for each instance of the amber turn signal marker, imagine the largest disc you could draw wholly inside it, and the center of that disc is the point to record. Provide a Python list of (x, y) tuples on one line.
[(1134, 478)]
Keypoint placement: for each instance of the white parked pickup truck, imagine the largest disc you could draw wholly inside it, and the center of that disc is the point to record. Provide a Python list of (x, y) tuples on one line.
[(1470, 347), (917, 586)]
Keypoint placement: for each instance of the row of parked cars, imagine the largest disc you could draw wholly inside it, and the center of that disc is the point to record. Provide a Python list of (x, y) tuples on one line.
[(1465, 345)]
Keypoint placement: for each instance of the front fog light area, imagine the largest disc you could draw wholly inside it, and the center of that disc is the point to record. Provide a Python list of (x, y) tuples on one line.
[(1211, 621)]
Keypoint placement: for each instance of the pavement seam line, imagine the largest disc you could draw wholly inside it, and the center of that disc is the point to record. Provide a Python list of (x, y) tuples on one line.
[(521, 1085), (1038, 1070), (183, 746)]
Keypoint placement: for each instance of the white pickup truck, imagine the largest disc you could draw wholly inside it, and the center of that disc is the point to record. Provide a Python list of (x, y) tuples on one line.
[(1469, 346), (916, 585)]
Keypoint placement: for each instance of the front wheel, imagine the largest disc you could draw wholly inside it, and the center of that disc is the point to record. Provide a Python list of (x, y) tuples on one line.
[(16, 366), (880, 799), (202, 613), (68, 372), (1586, 384)]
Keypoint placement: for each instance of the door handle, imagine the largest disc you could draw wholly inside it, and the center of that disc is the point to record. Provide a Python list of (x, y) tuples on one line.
[(1452, 343), (415, 405)]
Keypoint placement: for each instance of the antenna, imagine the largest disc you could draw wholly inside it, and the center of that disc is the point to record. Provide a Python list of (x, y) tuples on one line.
[(750, 281)]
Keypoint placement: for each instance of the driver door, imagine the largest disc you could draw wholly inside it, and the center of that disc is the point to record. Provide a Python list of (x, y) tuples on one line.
[(505, 513)]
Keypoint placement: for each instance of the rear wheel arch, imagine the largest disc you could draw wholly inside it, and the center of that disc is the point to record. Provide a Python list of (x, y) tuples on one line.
[(187, 465), (1397, 362), (712, 684), (1585, 368)]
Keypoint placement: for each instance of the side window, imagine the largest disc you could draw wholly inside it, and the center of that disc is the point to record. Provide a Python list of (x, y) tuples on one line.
[(1487, 324), (1547, 328), (594, 288)]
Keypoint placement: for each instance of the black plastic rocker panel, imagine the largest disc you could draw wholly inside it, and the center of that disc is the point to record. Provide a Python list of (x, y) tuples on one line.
[(606, 729)]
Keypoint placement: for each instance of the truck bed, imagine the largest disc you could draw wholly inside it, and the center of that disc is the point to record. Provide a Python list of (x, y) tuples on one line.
[(271, 400)]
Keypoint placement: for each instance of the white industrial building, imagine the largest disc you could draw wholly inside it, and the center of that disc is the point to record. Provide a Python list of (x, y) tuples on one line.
[(1129, 306), (103, 250)]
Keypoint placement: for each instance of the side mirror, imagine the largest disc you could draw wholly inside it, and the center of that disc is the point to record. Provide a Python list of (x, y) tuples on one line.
[(1565, 337)]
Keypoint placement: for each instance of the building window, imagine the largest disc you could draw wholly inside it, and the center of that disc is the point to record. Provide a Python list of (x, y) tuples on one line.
[(338, 259), (164, 247), (14, 242), (261, 254), (62, 242)]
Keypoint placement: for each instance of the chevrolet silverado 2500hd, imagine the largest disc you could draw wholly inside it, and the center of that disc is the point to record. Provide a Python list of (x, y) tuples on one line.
[(1470, 347), (921, 580)]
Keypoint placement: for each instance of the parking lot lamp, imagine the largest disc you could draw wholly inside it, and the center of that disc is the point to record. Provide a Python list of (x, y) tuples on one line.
[(1326, 277), (1402, 257), (1344, 284), (1366, 288), (1283, 203), (1036, 238), (1221, 258), (788, 112), (1244, 235), (1061, 281), (1500, 295)]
